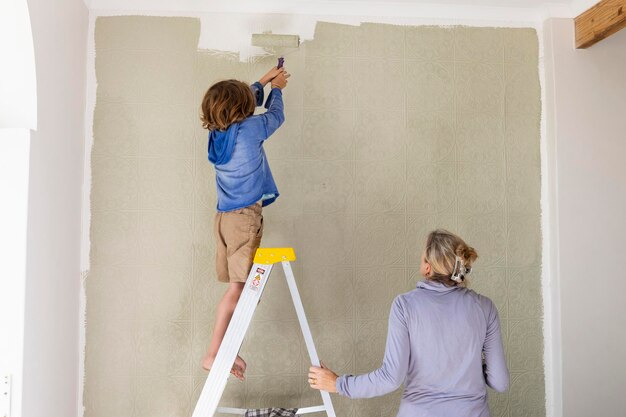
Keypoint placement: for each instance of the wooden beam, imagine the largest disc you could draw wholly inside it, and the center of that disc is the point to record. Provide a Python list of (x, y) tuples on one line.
[(601, 21)]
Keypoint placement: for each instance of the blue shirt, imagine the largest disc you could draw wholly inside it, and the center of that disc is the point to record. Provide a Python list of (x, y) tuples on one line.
[(242, 173), (436, 340)]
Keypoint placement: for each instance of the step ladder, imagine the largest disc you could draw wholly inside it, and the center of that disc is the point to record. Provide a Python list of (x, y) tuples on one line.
[(264, 260)]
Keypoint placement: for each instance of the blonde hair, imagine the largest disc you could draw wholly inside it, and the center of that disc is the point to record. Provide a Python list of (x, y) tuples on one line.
[(443, 252), (225, 103)]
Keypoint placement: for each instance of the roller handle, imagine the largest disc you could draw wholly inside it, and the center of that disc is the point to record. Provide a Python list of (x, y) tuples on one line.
[(281, 62)]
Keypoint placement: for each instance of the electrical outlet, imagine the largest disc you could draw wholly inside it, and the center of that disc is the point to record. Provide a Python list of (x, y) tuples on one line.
[(5, 396)]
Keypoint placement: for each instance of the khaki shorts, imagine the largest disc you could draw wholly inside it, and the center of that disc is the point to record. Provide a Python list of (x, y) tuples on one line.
[(238, 235)]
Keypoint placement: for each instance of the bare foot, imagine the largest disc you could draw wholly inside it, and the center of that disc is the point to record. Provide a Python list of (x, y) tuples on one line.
[(238, 369), (207, 363)]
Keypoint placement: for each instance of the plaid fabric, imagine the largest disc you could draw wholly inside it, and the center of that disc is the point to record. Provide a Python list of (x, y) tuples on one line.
[(272, 412)]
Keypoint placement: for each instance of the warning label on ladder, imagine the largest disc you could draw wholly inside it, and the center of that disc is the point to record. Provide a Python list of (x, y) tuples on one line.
[(256, 282)]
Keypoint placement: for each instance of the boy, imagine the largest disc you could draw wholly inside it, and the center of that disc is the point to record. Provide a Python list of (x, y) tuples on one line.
[(244, 184)]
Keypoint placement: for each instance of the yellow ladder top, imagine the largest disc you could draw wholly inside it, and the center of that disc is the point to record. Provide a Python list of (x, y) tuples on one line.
[(269, 256)]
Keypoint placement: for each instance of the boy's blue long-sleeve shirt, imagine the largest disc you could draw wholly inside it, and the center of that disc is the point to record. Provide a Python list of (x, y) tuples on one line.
[(243, 175)]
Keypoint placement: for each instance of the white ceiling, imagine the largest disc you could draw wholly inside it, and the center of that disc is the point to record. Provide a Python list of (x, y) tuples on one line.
[(514, 10)]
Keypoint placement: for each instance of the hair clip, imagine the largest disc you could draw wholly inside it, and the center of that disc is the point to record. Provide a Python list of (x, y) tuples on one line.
[(460, 271)]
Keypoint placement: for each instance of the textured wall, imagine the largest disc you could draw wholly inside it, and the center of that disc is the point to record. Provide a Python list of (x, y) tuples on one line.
[(391, 131)]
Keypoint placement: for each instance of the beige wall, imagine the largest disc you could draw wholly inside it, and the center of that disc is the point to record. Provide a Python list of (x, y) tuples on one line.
[(391, 131), (588, 92), (51, 331)]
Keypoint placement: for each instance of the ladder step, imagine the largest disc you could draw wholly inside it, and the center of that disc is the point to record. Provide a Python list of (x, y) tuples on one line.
[(270, 256), (242, 411)]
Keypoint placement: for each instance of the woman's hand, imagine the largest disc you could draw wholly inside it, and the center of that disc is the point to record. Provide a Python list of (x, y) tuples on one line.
[(323, 378), (271, 74)]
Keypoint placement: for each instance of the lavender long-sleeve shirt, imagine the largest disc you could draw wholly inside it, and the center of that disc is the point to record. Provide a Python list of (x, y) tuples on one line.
[(436, 339)]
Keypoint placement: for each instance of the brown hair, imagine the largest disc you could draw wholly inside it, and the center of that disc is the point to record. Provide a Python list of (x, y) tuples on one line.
[(442, 249), (225, 103)]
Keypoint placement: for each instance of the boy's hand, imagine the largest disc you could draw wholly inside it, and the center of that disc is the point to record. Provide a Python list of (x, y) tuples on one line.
[(271, 74), (280, 81)]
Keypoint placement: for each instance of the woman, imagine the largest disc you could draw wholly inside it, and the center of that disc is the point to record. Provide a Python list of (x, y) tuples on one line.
[(443, 342)]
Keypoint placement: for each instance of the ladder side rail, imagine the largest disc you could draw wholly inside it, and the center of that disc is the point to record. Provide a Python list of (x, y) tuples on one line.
[(233, 339), (306, 331)]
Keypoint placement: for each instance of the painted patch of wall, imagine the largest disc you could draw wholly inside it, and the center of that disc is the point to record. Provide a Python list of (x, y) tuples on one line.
[(391, 131)]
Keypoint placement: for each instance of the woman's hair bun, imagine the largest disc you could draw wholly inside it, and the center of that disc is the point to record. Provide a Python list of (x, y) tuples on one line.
[(449, 257), (467, 254)]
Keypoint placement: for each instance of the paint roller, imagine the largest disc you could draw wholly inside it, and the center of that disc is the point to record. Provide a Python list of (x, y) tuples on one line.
[(276, 44)]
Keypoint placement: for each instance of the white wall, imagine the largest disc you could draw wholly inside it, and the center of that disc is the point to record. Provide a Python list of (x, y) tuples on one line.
[(17, 73), (14, 147), (18, 114), (51, 346), (587, 132)]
